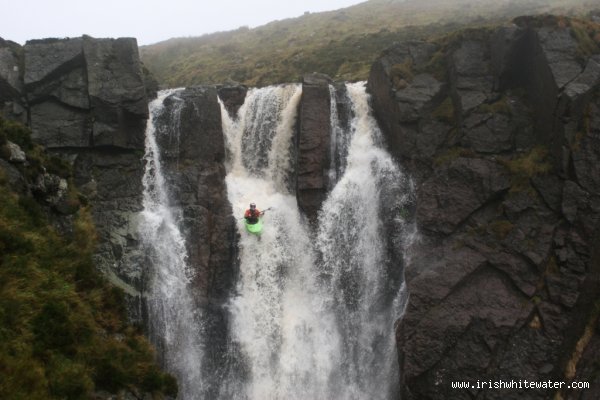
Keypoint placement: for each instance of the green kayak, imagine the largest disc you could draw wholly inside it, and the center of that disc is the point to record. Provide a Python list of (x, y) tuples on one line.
[(256, 228)]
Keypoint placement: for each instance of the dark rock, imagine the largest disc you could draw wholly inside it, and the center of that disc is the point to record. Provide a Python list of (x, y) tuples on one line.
[(232, 97), (389, 101), (417, 96), (47, 60), (313, 144), (470, 77), (493, 136), (57, 125), (550, 188), (456, 191), (432, 135), (586, 152), (10, 82), (494, 239), (11, 174), (574, 199), (112, 181), (50, 188), (117, 92), (69, 89), (586, 81), (150, 83), (194, 165), (560, 50)]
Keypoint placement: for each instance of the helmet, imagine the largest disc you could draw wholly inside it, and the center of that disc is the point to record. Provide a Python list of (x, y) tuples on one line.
[(252, 206)]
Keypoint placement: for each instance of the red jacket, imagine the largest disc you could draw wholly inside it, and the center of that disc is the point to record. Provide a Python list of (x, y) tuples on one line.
[(250, 214)]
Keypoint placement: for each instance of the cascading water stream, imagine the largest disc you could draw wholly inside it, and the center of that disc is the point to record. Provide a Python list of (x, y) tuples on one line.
[(173, 319), (366, 284), (277, 316), (313, 312)]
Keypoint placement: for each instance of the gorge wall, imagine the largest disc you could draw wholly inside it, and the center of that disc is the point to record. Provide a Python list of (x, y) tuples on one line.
[(501, 130)]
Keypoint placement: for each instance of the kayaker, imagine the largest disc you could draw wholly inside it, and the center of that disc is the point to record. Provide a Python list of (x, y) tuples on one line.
[(252, 214)]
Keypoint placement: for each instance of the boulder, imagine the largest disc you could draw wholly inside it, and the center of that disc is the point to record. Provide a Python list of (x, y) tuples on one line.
[(16, 155)]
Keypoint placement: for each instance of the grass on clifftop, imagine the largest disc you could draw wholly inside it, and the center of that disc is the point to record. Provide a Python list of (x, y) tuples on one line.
[(63, 330), (342, 43)]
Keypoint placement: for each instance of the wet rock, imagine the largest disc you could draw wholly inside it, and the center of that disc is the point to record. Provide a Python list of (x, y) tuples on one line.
[(493, 136), (456, 191), (232, 97), (313, 144), (469, 74), (391, 99), (194, 165), (560, 51), (416, 96), (586, 152), (497, 233)]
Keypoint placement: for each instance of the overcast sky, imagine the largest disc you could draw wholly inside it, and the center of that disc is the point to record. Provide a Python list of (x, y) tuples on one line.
[(150, 21)]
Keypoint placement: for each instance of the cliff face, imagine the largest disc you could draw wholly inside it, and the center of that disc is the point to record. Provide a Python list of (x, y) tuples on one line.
[(85, 100), (501, 130)]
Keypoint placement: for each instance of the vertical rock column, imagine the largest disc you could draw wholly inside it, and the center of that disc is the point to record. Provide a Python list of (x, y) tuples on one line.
[(313, 144)]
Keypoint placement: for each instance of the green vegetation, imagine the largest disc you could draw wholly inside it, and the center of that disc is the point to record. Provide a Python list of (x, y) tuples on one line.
[(452, 154), (501, 228), (530, 164), (586, 32), (63, 333), (402, 74), (445, 111), (498, 107), (526, 166), (342, 43)]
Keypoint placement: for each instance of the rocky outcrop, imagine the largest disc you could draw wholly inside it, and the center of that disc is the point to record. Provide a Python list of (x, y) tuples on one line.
[(11, 84), (313, 141), (194, 165), (86, 101), (233, 97), (500, 129), (85, 92)]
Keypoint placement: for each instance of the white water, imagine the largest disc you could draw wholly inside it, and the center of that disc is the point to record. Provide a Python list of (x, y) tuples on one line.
[(173, 319), (313, 313)]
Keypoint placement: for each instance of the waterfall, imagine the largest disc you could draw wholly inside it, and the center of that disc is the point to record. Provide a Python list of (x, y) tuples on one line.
[(366, 285), (173, 318), (313, 312)]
